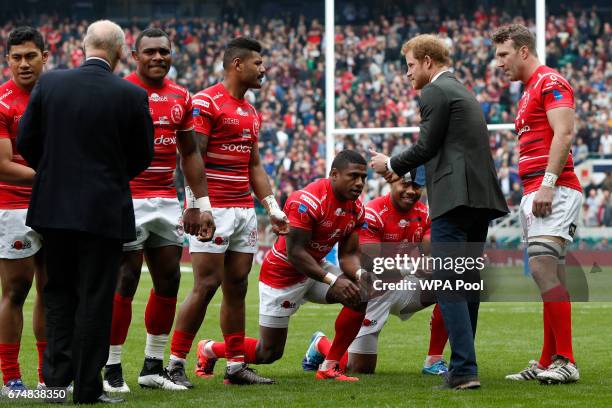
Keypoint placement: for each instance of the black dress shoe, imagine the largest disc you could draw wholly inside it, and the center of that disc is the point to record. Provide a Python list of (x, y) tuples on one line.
[(106, 399), (463, 382)]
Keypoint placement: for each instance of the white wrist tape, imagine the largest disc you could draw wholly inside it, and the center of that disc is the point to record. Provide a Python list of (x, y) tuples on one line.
[(273, 208), (203, 203), (359, 273), (549, 180), (189, 197), (330, 278)]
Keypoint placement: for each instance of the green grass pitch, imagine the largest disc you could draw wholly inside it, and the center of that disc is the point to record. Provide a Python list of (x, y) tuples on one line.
[(509, 334)]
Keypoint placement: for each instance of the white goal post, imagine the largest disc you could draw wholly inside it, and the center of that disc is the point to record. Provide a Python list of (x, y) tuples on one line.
[(330, 77)]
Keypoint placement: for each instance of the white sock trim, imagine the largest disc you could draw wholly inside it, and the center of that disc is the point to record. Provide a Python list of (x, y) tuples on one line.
[(327, 364), (155, 346), (114, 354)]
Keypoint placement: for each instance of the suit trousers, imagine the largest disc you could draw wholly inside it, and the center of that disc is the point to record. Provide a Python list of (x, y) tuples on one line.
[(82, 274), (460, 232)]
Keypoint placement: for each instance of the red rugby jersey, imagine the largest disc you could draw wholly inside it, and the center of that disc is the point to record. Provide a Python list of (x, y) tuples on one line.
[(170, 107), (232, 126), (13, 103), (314, 208), (386, 224), (545, 90)]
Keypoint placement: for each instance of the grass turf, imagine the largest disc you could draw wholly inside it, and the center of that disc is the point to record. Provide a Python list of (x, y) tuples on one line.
[(509, 334)]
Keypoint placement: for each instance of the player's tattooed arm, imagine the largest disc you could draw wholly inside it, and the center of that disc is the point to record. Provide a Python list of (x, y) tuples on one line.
[(11, 172), (263, 190), (297, 241), (349, 255)]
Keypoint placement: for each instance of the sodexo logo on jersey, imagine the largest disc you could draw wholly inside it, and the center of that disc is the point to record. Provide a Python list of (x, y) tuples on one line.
[(240, 148), (156, 98), (163, 140)]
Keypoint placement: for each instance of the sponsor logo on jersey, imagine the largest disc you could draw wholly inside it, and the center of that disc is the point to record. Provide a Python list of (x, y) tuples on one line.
[(334, 234), (402, 223), (557, 95), (217, 96), (364, 225), (302, 208), (523, 130), (246, 133), (162, 140), (176, 113), (162, 120), (156, 98), (255, 127), (242, 112), (391, 237), (7, 93), (240, 148), (309, 201), (288, 305), (195, 112), (320, 247), (231, 121), (339, 212), (20, 245), (327, 223)]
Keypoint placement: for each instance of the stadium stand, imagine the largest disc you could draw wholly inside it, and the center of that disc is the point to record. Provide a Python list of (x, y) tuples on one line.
[(371, 89)]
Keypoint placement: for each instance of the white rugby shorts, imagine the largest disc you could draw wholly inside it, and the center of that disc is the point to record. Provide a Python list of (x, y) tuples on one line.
[(236, 231), (17, 240), (276, 305), (400, 303), (560, 223), (158, 224)]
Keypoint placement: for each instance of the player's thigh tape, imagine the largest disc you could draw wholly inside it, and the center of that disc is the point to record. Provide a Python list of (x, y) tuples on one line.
[(367, 344), (545, 247), (274, 322)]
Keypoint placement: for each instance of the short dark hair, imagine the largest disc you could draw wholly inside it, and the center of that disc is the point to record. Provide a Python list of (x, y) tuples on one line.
[(240, 48), (150, 32), (346, 157), (519, 34), (23, 34)]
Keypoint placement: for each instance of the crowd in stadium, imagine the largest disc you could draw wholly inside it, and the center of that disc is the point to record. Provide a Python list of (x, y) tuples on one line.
[(371, 87)]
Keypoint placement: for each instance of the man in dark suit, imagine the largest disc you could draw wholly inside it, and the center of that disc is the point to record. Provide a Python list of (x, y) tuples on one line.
[(464, 194), (87, 133)]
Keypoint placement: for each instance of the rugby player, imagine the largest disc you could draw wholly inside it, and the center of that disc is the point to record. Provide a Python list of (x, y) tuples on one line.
[(20, 246), (159, 229), (294, 271), (552, 197), (228, 129), (394, 221)]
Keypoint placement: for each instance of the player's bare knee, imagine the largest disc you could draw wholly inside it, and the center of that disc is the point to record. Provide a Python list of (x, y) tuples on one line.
[(269, 355), (207, 287), (17, 292), (236, 288), (127, 282)]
